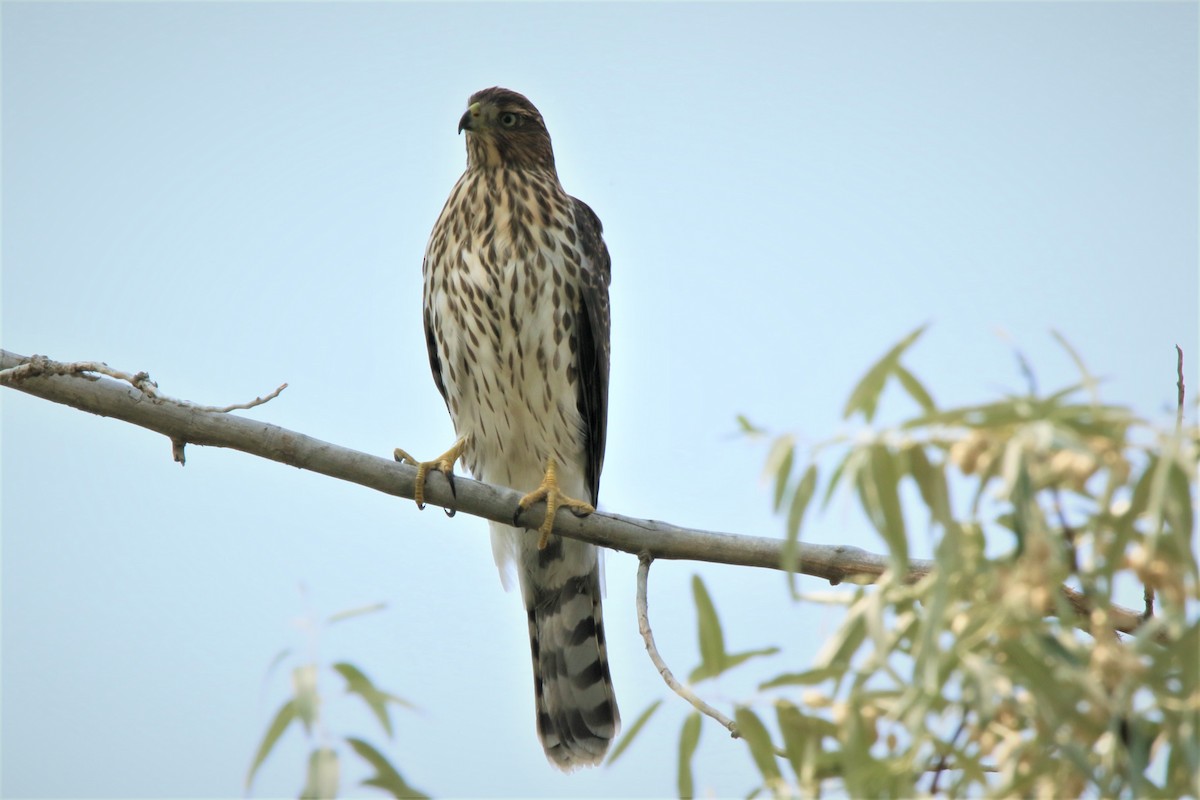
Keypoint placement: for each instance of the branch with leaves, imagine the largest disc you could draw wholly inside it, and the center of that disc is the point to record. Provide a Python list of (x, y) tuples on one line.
[(75, 384), (970, 671), (956, 678)]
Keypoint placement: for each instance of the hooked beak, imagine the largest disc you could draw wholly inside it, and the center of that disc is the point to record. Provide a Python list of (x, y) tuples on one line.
[(468, 120)]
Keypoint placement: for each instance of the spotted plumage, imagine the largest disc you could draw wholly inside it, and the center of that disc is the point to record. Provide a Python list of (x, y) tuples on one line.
[(516, 321)]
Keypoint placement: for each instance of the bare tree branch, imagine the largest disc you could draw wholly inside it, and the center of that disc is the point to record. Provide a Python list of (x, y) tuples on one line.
[(184, 423)]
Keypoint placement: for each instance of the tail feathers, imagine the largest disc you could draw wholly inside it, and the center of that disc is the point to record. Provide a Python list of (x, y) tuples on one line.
[(577, 714)]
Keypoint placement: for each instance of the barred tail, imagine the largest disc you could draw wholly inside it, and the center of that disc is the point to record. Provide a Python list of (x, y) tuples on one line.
[(577, 714)]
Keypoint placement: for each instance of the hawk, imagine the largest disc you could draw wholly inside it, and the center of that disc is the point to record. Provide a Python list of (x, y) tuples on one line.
[(516, 321)]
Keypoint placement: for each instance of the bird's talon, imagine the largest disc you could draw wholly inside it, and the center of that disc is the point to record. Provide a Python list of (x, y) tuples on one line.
[(554, 498), (443, 464), (450, 512)]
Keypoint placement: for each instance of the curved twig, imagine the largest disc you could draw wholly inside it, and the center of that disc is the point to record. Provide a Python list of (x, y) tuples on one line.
[(643, 617)]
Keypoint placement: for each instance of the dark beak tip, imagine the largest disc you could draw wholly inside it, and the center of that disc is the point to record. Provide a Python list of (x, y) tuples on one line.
[(464, 123)]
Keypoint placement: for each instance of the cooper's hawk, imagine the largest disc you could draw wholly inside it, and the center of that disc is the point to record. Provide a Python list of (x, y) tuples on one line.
[(516, 321)]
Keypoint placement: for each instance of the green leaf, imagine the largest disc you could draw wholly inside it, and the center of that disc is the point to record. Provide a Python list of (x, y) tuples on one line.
[(865, 396), (931, 482), (881, 500), (304, 691), (283, 717), (634, 729), (988, 415), (1177, 504), (276, 661), (803, 744), (689, 739), (1024, 502), (809, 677), (1141, 735), (916, 390), (1139, 501), (798, 741), (846, 470), (839, 649), (1089, 380), (386, 777), (748, 427), (800, 500), (983, 480), (1023, 364), (350, 613), (815, 726), (377, 700), (755, 734), (732, 660), (713, 658), (321, 781), (784, 470), (712, 641)]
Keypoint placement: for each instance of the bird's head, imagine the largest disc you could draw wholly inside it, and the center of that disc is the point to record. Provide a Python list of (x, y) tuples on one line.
[(505, 130)]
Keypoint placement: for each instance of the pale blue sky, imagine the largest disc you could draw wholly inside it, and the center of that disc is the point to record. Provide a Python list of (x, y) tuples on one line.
[(230, 196)]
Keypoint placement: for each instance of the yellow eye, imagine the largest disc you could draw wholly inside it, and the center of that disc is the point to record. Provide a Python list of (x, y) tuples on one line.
[(509, 119)]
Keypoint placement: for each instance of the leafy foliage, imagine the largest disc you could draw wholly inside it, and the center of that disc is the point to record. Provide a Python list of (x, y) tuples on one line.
[(979, 677), (323, 771)]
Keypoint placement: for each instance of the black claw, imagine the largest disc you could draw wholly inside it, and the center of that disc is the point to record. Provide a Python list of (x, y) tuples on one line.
[(450, 512), (517, 517), (420, 506), (581, 514)]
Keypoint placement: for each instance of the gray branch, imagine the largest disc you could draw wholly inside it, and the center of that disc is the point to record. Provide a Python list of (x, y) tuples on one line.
[(183, 423)]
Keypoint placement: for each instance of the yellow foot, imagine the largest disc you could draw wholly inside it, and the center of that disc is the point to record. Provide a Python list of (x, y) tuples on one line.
[(555, 499), (443, 464)]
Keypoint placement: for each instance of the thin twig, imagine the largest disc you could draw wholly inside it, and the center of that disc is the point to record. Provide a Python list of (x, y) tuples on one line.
[(1068, 531), (258, 401), (1179, 385), (1148, 590), (36, 366), (944, 762), (643, 616)]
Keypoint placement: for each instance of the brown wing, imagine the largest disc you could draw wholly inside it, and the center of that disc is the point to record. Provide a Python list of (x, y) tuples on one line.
[(590, 334), (435, 363)]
